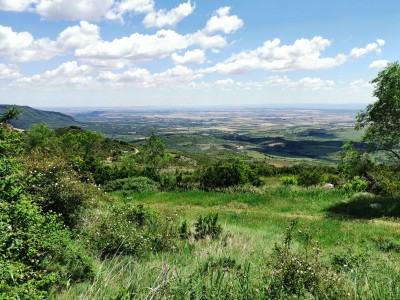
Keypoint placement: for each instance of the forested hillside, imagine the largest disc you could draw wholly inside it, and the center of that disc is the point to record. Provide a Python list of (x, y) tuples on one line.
[(33, 116)]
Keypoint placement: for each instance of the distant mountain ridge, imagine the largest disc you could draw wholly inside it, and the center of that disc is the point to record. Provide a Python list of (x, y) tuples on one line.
[(32, 116)]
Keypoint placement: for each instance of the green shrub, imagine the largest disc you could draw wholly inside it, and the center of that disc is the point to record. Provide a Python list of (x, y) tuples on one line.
[(55, 187), (301, 275), (355, 185), (41, 136), (228, 173), (354, 162), (134, 230), (309, 177), (133, 184), (289, 180), (385, 180), (349, 260), (386, 245), (207, 227), (36, 249), (184, 230), (36, 252)]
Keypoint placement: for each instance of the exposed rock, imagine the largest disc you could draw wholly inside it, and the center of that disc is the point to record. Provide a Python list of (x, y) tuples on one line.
[(329, 186)]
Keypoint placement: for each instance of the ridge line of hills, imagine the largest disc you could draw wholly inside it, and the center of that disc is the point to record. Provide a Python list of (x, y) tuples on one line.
[(32, 116)]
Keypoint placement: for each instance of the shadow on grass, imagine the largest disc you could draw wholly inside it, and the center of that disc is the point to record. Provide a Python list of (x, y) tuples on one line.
[(366, 206)]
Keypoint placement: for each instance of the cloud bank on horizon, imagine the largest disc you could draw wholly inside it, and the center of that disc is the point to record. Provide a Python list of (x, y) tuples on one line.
[(136, 52)]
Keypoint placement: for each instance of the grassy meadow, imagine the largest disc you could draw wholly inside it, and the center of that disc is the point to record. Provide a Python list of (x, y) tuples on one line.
[(363, 253)]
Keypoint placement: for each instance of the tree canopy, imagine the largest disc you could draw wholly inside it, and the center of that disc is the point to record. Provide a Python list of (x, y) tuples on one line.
[(10, 113), (381, 119)]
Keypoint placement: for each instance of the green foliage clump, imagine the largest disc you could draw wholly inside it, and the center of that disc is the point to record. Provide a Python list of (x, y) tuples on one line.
[(301, 275), (354, 162), (36, 252), (36, 249), (10, 113), (180, 181), (84, 143), (55, 187), (289, 180), (41, 136), (385, 180), (134, 230), (309, 177), (228, 173), (387, 245), (355, 185), (266, 170), (348, 260), (381, 119), (184, 230), (133, 184), (154, 156), (207, 226)]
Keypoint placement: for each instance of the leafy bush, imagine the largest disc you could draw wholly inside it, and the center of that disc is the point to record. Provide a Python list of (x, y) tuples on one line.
[(207, 226), (180, 181), (228, 173), (354, 162), (386, 245), (41, 136), (385, 180), (289, 180), (184, 230), (355, 185), (298, 275), (36, 252), (55, 187), (347, 260), (134, 230), (133, 184), (309, 178), (36, 249)]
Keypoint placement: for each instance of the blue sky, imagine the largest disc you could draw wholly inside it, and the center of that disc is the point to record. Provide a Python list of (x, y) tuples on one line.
[(63, 53)]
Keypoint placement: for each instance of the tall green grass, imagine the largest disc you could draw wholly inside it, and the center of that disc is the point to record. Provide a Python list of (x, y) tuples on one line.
[(349, 257)]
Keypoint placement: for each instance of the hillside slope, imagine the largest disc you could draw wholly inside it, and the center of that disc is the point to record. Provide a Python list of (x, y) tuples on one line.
[(32, 116)]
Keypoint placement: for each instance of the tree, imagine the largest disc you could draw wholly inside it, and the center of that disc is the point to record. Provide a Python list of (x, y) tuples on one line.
[(10, 113), (41, 136), (228, 173), (381, 119), (155, 152)]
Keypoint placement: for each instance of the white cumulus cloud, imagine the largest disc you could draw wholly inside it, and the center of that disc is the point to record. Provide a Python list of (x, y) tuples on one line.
[(89, 10), (379, 64), (17, 5), (303, 54), (11, 41), (97, 10), (223, 22), (162, 17), (195, 57), (136, 77), (372, 47), (137, 47), (67, 74), (8, 72), (21, 47)]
